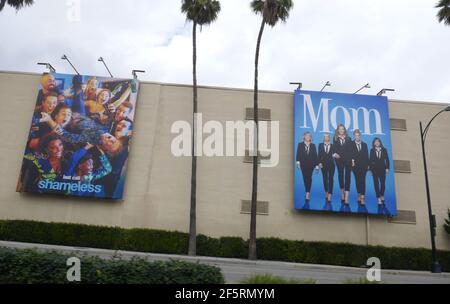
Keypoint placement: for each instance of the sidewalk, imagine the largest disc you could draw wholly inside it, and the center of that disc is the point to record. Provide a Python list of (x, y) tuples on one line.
[(235, 270)]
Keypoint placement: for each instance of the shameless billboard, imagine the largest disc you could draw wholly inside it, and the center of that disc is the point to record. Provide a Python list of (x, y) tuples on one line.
[(343, 154), (80, 136)]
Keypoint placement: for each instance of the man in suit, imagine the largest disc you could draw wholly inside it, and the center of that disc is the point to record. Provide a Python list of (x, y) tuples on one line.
[(326, 163), (360, 165), (307, 161)]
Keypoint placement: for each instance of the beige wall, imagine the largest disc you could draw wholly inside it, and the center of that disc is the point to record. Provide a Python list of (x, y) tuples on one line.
[(158, 184)]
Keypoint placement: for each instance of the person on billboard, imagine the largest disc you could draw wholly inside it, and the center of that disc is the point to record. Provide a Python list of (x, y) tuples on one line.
[(121, 114), (76, 129), (123, 131), (307, 161), (379, 165), (114, 181), (61, 116), (360, 166), (48, 84), (99, 109), (103, 108), (90, 93), (75, 96), (82, 169), (342, 144), (46, 166), (38, 127), (326, 163)]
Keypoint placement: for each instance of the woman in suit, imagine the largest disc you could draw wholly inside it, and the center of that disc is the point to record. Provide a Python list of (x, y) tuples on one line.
[(360, 165), (342, 144), (326, 163), (307, 161), (379, 165)]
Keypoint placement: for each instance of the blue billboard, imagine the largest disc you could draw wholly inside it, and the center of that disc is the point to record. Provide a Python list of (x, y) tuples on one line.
[(343, 154)]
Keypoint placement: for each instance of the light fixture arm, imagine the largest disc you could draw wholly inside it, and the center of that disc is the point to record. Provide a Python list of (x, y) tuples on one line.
[(425, 131)]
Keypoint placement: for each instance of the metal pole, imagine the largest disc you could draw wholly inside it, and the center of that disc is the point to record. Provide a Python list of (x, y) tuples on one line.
[(64, 57), (104, 63), (435, 266)]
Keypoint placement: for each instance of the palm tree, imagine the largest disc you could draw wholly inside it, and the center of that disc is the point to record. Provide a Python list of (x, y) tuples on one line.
[(444, 11), (272, 11), (200, 12), (17, 4)]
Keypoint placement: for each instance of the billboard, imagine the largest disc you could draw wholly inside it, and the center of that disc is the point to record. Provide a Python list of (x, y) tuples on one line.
[(80, 136), (343, 154)]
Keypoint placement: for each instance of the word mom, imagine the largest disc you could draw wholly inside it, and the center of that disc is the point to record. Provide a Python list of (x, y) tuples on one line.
[(351, 117), (236, 138)]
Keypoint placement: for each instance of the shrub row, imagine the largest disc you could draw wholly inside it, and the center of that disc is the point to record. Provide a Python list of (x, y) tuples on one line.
[(32, 267), (155, 241)]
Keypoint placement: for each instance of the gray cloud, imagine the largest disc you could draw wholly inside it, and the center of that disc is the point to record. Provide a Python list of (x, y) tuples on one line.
[(397, 44)]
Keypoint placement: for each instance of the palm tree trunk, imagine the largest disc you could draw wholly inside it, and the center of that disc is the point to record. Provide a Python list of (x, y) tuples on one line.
[(192, 251), (252, 242)]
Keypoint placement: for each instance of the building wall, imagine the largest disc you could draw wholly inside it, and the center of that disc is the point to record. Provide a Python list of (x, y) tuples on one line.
[(158, 184)]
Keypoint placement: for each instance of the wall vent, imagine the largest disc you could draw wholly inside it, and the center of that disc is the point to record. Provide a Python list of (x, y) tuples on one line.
[(398, 124), (404, 217), (402, 166), (261, 209), (264, 114)]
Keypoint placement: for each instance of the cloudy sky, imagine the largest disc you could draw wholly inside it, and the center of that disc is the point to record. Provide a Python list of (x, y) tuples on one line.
[(389, 43)]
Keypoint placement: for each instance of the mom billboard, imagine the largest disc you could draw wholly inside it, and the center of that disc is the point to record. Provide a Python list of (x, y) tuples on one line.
[(80, 136), (343, 154)]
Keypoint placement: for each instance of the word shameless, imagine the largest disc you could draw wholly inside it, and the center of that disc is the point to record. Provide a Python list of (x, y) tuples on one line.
[(72, 187)]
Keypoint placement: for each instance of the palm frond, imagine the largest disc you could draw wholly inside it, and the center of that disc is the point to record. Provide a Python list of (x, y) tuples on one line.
[(17, 4), (257, 6), (203, 12), (443, 3), (443, 14), (273, 11)]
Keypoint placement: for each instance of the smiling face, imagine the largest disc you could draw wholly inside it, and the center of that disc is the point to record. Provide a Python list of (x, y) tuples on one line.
[(341, 131), (48, 82), (63, 117), (55, 149), (327, 139), (377, 143), (49, 104), (104, 97), (358, 136)]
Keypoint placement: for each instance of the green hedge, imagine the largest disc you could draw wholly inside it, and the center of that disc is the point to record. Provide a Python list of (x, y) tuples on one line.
[(155, 241), (32, 267)]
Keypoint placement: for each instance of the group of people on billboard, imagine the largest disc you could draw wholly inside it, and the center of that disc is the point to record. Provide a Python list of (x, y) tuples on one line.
[(339, 153), (80, 135)]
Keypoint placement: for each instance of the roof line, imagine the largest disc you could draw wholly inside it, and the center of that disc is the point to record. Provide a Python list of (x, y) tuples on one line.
[(236, 89)]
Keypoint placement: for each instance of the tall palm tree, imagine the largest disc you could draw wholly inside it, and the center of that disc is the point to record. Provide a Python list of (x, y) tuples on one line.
[(272, 12), (200, 12), (17, 4), (444, 11)]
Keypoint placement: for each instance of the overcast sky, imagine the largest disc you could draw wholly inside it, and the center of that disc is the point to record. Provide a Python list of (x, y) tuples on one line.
[(389, 43)]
